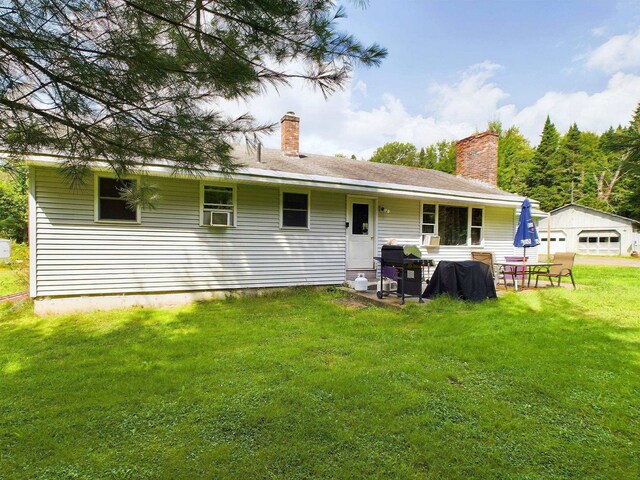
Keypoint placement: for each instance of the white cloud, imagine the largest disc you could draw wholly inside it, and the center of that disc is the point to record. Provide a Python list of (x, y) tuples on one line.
[(470, 100), (596, 112), (619, 53), (340, 125)]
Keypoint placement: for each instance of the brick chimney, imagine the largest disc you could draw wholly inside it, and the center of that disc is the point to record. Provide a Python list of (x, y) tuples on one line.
[(477, 157), (290, 134)]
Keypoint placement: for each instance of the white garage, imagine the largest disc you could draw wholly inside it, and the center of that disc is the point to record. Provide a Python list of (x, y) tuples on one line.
[(587, 231), (557, 241), (593, 242)]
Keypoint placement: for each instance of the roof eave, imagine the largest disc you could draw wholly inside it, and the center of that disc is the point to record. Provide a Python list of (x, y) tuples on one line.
[(279, 177)]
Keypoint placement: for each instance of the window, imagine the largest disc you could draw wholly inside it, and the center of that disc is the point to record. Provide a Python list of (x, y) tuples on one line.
[(476, 226), (428, 219), (110, 205), (360, 219), (454, 225), (295, 210), (218, 206)]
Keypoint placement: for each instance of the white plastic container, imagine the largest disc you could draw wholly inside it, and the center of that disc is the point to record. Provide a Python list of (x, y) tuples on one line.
[(5, 249), (361, 283)]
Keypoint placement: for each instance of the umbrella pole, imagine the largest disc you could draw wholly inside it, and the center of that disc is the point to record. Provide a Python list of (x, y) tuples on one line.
[(524, 264)]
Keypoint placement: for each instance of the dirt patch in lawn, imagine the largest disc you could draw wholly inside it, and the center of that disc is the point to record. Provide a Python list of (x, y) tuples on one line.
[(351, 302)]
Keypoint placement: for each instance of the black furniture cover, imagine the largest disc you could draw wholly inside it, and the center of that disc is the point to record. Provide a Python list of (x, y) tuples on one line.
[(466, 280)]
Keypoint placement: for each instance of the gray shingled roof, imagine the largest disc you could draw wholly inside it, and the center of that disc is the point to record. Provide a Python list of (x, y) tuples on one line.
[(345, 168), (584, 207)]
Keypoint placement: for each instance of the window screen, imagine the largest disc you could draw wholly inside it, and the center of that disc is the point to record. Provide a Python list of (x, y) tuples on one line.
[(295, 210), (452, 225), (111, 205)]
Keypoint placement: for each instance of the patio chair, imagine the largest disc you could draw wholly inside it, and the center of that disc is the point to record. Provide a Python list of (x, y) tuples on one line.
[(513, 271), (489, 259), (563, 267)]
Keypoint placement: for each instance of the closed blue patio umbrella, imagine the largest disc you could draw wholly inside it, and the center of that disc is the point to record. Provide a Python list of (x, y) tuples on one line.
[(526, 233)]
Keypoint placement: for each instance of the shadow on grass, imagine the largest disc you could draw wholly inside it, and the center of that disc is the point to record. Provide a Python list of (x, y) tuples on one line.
[(300, 385)]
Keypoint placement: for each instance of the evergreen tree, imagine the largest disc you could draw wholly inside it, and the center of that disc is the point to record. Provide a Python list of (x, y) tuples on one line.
[(626, 145), (541, 174), (565, 168), (140, 80)]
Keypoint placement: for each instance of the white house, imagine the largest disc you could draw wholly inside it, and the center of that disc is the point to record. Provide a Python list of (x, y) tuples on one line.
[(283, 219), (575, 228)]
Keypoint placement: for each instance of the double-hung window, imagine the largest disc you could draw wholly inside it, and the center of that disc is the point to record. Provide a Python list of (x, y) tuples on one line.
[(295, 210), (476, 226), (218, 206), (454, 225), (428, 219), (111, 206)]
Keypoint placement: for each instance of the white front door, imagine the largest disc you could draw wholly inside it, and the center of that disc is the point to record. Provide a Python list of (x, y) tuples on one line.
[(360, 233)]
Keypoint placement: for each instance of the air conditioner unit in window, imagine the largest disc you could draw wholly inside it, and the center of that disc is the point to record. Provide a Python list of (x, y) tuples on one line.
[(430, 240), (218, 218)]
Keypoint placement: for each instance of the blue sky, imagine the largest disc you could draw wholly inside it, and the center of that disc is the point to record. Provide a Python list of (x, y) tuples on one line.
[(453, 65)]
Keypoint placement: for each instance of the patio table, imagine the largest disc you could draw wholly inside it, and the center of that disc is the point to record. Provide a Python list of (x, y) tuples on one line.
[(528, 268)]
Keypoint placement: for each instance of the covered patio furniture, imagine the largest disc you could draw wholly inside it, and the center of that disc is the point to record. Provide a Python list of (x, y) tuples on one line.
[(467, 280), (562, 267)]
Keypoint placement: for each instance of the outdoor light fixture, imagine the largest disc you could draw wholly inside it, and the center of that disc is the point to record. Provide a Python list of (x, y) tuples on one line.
[(384, 210)]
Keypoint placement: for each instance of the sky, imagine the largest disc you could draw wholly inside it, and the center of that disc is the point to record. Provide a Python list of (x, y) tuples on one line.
[(454, 65)]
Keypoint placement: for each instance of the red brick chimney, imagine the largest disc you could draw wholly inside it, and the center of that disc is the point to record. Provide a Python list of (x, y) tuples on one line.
[(477, 157), (290, 134)]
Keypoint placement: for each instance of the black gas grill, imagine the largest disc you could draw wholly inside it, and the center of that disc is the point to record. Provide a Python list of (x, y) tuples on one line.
[(401, 265)]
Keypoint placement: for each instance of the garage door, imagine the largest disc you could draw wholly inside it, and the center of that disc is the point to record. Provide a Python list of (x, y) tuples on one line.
[(558, 242), (599, 243)]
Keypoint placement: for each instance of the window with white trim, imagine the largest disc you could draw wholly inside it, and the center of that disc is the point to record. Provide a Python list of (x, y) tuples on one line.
[(218, 206), (476, 226), (428, 219), (111, 206), (295, 210), (454, 225)]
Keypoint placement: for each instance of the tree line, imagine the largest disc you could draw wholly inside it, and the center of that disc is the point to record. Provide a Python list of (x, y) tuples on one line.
[(598, 171)]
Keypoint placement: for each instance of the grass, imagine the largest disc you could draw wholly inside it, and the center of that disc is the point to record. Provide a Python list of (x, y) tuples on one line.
[(312, 385), (14, 275)]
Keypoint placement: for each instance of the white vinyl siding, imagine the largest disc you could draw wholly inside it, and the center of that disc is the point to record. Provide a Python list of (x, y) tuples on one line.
[(403, 223), (169, 251)]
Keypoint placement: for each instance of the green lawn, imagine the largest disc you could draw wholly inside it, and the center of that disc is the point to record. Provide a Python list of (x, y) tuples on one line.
[(14, 276), (309, 385), (10, 282)]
